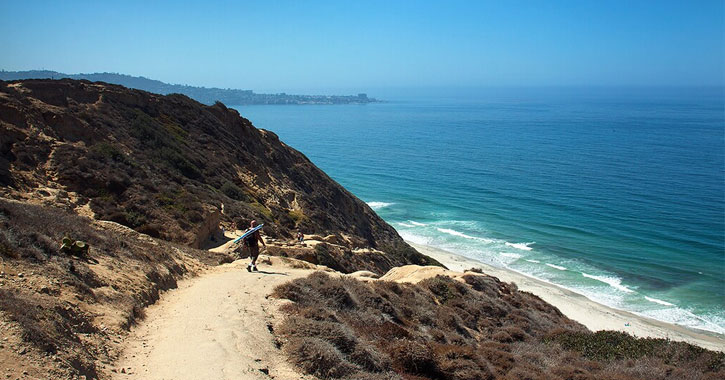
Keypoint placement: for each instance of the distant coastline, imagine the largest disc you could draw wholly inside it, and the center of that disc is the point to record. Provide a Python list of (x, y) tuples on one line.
[(206, 95)]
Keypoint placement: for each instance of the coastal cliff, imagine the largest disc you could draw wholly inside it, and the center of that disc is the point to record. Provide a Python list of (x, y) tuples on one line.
[(165, 165), (141, 179), (144, 180)]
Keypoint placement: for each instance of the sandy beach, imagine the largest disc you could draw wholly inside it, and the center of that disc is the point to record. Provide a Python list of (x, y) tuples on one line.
[(580, 308)]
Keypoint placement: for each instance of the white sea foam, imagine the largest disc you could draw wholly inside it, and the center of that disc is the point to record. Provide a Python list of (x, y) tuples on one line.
[(461, 234), (405, 225), (455, 233), (611, 281), (655, 300), (413, 222), (687, 318), (512, 255), (417, 239), (613, 299), (559, 267), (379, 205), (521, 246)]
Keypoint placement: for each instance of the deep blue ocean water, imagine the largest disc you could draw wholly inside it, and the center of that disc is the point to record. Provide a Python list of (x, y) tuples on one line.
[(616, 193)]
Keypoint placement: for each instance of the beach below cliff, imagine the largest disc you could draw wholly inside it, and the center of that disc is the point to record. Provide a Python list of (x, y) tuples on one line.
[(553, 191), (593, 315)]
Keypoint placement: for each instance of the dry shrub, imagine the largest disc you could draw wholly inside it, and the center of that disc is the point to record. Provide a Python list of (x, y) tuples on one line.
[(336, 296), (376, 376), (461, 362), (568, 371), (293, 291), (30, 239), (320, 358), (336, 333), (516, 333), (413, 357), (503, 337), (465, 370), (369, 358), (446, 329)]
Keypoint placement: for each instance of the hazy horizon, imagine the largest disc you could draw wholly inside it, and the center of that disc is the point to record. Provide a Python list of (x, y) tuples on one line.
[(433, 91), (329, 47)]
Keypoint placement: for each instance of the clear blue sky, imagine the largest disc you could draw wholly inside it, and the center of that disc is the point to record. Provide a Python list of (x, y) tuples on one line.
[(300, 46)]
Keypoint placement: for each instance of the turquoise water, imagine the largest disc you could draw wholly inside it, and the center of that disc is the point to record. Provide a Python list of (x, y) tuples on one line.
[(618, 194)]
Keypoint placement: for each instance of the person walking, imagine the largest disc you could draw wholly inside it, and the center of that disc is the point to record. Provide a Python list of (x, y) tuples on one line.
[(252, 243)]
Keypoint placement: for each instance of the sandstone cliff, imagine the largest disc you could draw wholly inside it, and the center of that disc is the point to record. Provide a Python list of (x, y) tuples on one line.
[(164, 165)]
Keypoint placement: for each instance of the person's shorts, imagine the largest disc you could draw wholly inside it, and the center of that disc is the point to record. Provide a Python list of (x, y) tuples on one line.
[(253, 251)]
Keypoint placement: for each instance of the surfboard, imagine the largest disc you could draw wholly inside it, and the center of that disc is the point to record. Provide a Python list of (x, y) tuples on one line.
[(253, 230)]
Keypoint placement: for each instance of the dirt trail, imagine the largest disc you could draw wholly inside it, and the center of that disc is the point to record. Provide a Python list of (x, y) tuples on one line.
[(214, 326)]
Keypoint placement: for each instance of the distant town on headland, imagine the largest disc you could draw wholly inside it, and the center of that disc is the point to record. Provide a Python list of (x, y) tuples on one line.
[(201, 94)]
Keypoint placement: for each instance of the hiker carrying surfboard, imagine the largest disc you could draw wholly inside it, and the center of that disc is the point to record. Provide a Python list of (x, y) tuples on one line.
[(252, 243)]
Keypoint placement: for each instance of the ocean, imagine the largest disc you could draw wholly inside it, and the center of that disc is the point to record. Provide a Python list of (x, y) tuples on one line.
[(615, 193)]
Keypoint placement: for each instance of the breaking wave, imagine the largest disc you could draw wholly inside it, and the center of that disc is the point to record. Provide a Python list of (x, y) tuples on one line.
[(611, 281), (522, 246), (379, 205)]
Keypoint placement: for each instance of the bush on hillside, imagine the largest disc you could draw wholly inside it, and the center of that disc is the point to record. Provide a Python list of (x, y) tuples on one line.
[(482, 328)]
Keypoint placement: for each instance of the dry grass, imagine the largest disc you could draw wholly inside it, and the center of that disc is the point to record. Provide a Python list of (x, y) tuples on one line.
[(163, 165), (72, 307), (446, 329)]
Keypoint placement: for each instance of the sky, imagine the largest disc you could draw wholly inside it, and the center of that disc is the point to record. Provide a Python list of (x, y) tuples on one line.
[(303, 46)]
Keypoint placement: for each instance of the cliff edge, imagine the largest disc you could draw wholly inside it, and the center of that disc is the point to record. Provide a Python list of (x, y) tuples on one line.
[(165, 165)]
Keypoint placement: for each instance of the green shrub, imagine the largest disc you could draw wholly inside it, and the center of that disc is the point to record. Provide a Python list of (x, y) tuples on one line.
[(616, 345), (176, 160), (173, 128), (233, 191), (260, 209), (297, 216), (106, 151)]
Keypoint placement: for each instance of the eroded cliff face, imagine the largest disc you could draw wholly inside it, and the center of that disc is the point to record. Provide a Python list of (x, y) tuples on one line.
[(164, 165)]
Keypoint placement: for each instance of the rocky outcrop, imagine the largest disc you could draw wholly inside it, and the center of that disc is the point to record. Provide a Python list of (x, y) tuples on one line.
[(208, 229), (163, 165)]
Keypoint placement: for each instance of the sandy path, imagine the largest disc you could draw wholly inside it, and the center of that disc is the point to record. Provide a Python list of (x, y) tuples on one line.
[(214, 326)]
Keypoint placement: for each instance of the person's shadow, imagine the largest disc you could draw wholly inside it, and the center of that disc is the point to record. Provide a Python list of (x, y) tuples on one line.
[(274, 273)]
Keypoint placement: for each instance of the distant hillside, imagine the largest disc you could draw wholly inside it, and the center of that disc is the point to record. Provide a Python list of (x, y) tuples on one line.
[(164, 165), (201, 94)]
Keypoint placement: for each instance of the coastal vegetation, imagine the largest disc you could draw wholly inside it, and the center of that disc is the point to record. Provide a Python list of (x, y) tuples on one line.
[(62, 315), (478, 328), (164, 165), (141, 181)]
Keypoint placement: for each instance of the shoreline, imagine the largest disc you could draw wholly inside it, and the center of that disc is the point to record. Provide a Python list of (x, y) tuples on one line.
[(578, 307)]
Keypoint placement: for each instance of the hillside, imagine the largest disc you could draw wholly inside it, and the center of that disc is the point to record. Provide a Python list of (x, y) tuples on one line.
[(414, 323), (204, 95), (144, 180), (63, 316), (141, 178), (164, 165), (429, 323)]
